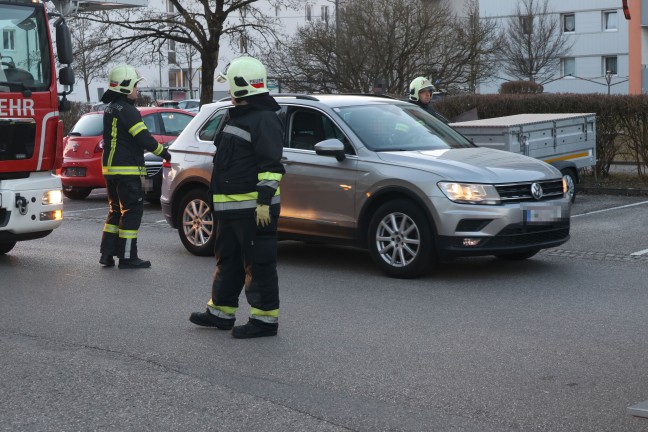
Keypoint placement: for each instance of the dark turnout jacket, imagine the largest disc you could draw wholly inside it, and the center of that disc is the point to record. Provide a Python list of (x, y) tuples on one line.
[(125, 139), (247, 164)]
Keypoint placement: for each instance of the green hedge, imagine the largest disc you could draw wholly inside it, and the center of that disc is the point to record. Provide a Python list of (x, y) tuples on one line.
[(621, 121)]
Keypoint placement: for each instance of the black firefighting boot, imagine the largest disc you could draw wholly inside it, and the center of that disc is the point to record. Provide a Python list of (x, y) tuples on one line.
[(107, 260), (108, 249), (208, 319), (255, 328), (133, 263), (127, 252)]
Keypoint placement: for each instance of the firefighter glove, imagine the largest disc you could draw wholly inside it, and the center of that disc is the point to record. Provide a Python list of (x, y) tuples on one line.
[(166, 155), (263, 215)]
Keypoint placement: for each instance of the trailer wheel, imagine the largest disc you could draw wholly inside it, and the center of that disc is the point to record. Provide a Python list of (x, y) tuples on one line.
[(6, 246), (570, 178)]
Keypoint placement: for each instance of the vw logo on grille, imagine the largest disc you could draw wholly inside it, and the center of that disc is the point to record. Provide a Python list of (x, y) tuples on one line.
[(536, 191)]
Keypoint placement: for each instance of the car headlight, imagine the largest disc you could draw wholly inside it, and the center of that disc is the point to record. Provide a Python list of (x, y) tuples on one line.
[(470, 193)]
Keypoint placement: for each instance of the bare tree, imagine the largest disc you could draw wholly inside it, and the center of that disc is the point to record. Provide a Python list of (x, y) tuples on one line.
[(386, 42), (197, 23), (91, 57), (479, 41), (533, 42)]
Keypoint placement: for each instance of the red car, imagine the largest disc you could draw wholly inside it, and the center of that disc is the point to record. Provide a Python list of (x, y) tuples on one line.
[(81, 170)]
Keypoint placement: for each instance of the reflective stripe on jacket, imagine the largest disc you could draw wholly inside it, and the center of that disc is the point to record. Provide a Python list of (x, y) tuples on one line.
[(126, 137)]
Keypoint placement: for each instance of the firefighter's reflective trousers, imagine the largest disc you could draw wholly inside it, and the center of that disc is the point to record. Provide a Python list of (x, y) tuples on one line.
[(246, 256), (126, 202)]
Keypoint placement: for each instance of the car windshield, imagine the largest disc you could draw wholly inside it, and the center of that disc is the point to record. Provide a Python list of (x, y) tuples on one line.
[(400, 127), (88, 125), (24, 53)]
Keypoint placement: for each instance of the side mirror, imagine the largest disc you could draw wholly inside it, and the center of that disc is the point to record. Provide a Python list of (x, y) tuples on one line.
[(331, 147), (66, 76), (63, 42)]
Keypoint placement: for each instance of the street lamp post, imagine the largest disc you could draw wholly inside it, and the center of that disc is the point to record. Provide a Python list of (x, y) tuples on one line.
[(608, 79)]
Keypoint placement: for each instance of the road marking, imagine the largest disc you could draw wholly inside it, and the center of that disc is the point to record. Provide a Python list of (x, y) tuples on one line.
[(86, 210), (161, 221), (611, 208), (641, 252)]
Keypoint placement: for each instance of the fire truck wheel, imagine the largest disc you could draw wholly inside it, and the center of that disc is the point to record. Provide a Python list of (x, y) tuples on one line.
[(6, 246)]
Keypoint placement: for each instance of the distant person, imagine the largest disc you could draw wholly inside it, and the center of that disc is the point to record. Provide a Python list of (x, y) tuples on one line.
[(125, 138), (245, 187), (420, 93)]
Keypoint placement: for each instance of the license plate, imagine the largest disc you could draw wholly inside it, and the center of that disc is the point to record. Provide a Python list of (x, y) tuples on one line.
[(540, 213), (75, 172)]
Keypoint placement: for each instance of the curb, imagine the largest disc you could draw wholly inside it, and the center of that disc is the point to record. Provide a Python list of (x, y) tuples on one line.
[(611, 191)]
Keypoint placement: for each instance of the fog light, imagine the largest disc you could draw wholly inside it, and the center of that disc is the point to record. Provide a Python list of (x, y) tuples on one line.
[(52, 197), (471, 241), (51, 215)]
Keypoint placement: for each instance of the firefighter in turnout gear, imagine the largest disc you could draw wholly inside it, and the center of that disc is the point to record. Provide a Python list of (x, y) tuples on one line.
[(125, 138), (420, 93), (245, 187)]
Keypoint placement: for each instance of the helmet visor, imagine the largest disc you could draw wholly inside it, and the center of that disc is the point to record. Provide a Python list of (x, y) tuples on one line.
[(222, 76)]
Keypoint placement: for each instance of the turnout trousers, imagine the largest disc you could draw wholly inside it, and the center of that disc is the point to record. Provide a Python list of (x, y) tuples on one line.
[(246, 257), (126, 202)]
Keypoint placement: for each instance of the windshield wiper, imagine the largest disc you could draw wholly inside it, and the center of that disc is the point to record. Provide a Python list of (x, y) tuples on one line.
[(26, 91)]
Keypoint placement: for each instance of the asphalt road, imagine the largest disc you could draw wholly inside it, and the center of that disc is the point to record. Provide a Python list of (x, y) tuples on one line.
[(555, 343)]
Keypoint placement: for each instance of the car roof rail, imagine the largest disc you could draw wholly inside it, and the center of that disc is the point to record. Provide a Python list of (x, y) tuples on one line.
[(295, 95)]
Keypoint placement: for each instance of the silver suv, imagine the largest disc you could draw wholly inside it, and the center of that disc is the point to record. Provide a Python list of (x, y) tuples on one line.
[(384, 175)]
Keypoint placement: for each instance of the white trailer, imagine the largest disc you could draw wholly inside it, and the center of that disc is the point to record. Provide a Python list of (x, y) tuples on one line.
[(566, 141)]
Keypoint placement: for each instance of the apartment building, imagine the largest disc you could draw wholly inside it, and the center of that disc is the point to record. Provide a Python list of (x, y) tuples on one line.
[(598, 61)]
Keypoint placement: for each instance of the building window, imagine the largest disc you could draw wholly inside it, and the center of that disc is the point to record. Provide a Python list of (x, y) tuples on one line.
[(325, 13), (169, 7), (569, 66), (308, 12), (610, 65), (9, 40), (277, 10), (243, 11), (610, 21), (569, 23), (526, 24)]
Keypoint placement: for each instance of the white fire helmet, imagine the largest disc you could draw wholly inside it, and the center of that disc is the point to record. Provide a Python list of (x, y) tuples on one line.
[(123, 78), (246, 77)]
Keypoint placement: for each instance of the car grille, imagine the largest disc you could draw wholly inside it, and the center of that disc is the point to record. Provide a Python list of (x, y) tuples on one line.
[(523, 235), (152, 169), (520, 192)]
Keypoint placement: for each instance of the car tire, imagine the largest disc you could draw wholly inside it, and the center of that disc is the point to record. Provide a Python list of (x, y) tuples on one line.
[(76, 193), (6, 246), (400, 240), (518, 256), (196, 224), (570, 178)]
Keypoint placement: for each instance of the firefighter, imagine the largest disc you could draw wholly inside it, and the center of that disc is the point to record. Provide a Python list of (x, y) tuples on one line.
[(125, 138), (245, 187), (420, 93)]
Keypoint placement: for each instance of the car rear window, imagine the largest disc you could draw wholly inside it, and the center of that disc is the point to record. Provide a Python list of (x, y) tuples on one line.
[(88, 125), (400, 127)]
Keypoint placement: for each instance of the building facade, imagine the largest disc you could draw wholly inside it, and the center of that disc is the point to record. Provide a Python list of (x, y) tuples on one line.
[(598, 61)]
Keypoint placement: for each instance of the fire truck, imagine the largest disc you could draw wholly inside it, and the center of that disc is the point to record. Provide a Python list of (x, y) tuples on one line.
[(31, 133)]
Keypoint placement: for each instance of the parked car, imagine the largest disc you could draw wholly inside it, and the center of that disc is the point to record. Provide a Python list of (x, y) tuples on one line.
[(190, 105), (83, 147), (384, 175)]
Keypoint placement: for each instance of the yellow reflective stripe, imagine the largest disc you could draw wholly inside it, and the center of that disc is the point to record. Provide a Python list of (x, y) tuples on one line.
[(159, 149), (137, 128), (258, 312), (113, 141), (109, 228), (123, 170), (128, 234), (229, 310), (236, 197), (278, 191), (270, 176)]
